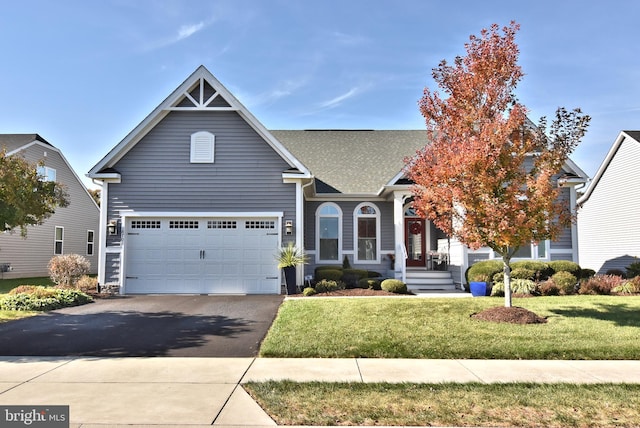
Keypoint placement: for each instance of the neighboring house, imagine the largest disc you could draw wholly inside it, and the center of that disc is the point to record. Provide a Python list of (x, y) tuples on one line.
[(609, 211), (199, 196), (70, 230)]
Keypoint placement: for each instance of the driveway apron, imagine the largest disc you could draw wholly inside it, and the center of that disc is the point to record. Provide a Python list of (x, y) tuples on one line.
[(145, 326)]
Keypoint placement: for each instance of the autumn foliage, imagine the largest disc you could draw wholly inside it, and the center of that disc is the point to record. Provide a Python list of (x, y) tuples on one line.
[(489, 175), (25, 198)]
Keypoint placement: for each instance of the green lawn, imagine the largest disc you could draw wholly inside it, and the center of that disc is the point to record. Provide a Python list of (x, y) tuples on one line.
[(579, 327), (482, 405), (7, 285)]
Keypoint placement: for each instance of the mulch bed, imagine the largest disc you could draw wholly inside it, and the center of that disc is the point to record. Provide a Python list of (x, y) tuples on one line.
[(513, 315)]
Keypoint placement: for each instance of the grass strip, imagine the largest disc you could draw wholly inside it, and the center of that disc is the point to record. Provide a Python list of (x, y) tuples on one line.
[(578, 327), (482, 405)]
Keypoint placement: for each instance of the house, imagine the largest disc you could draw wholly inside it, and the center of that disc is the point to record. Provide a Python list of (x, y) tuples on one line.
[(198, 197), (70, 230), (609, 210)]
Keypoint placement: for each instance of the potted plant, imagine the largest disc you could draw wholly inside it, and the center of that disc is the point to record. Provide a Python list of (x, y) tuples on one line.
[(478, 285), (288, 259)]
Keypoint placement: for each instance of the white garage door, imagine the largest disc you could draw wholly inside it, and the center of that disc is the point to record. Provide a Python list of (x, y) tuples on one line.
[(201, 256)]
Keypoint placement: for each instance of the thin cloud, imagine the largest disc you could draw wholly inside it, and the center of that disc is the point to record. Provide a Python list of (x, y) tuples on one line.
[(189, 30), (184, 32), (335, 102)]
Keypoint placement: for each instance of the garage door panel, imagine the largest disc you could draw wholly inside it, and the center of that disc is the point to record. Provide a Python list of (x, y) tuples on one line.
[(215, 256)]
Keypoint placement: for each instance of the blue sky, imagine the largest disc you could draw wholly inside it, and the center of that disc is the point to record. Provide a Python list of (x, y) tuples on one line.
[(84, 73)]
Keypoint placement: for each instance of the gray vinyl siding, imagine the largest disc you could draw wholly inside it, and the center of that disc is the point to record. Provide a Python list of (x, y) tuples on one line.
[(157, 174), (348, 208), (564, 240), (29, 257), (609, 221)]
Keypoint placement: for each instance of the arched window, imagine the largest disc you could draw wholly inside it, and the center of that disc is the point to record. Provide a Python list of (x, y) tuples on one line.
[(328, 232), (367, 232)]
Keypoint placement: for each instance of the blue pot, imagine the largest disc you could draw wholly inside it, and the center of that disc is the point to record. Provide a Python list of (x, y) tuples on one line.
[(478, 289)]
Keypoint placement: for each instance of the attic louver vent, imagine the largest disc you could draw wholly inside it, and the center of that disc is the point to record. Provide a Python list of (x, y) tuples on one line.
[(202, 147)]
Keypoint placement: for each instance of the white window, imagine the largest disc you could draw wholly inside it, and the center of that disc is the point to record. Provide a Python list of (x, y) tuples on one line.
[(202, 147), (328, 232), (46, 173), (90, 242), (367, 230), (533, 251), (58, 241)]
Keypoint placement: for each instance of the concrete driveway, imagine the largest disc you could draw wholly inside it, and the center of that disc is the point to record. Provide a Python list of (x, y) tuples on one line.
[(145, 326)]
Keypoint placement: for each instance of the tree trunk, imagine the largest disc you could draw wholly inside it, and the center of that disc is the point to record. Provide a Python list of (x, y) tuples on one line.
[(507, 281)]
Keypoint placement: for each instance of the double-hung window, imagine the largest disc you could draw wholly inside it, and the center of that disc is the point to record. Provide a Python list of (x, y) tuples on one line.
[(367, 231), (328, 232), (58, 241)]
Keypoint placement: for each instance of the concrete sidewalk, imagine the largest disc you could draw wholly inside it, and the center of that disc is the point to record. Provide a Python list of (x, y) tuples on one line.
[(204, 391)]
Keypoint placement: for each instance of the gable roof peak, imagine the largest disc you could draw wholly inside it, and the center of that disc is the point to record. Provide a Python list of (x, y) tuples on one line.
[(201, 91)]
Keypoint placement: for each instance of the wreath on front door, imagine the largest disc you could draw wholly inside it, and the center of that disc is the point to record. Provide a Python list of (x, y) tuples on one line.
[(415, 228)]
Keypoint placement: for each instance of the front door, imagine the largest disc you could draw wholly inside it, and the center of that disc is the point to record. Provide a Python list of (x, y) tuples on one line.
[(414, 238)]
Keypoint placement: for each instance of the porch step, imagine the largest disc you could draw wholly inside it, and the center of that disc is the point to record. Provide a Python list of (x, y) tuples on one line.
[(429, 280)]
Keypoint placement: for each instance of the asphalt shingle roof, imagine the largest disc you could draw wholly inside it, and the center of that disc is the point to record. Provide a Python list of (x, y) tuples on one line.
[(15, 141), (352, 161)]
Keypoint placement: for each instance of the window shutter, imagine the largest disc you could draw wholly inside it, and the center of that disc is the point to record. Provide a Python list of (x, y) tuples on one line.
[(202, 147)]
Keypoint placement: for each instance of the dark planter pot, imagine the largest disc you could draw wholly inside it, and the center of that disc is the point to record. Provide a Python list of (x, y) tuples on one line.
[(478, 289), (290, 279)]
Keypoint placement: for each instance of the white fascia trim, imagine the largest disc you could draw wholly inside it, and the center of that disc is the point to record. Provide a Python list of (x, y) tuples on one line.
[(603, 166), (217, 214), (112, 177)]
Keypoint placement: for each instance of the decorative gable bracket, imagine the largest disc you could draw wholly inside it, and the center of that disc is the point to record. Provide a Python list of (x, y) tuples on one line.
[(201, 96)]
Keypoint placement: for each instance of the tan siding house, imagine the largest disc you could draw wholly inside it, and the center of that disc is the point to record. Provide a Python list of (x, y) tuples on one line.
[(70, 230), (609, 214)]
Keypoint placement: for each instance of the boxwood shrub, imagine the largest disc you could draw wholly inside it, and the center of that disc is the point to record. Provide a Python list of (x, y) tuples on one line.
[(484, 270), (394, 286), (329, 274), (565, 281), (565, 266), (370, 283)]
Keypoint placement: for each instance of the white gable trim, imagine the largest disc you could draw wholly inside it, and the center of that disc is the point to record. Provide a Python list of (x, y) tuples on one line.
[(605, 164), (199, 76)]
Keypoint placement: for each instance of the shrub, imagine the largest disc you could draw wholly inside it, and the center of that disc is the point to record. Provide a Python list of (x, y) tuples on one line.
[(565, 266), (616, 272), (541, 269), (600, 284), (87, 284), (370, 283), (373, 274), (345, 263), (518, 286), (66, 269), (628, 287), (43, 301), (326, 285), (394, 286), (309, 291), (587, 273), (36, 290), (497, 289), (633, 270), (351, 277), (549, 288), (565, 281), (484, 270), (328, 274), (324, 267), (523, 273)]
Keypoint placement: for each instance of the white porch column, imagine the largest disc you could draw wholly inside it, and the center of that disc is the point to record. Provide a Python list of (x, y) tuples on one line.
[(398, 226)]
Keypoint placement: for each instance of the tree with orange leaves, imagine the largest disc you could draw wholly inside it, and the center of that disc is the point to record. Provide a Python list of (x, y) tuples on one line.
[(488, 176)]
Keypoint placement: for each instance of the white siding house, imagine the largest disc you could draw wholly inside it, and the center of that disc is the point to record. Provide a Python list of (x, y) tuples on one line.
[(609, 211)]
